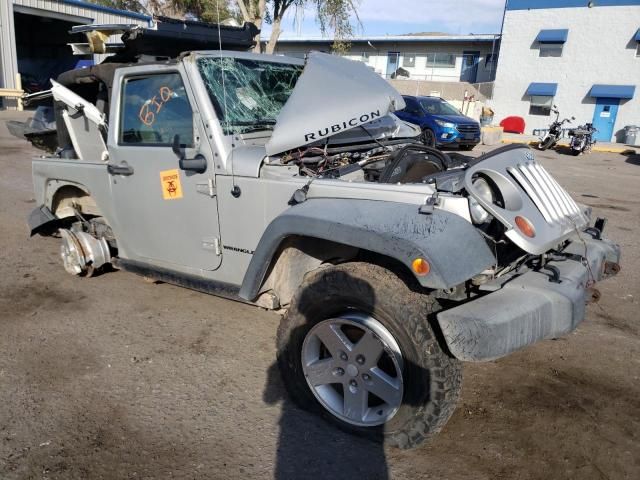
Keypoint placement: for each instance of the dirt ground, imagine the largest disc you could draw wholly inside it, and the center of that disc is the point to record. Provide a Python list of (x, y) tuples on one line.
[(113, 377)]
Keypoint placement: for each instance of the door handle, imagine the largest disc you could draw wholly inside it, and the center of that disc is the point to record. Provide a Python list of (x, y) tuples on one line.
[(122, 169)]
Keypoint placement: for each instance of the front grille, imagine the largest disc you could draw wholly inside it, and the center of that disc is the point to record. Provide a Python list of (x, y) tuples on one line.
[(468, 128), (554, 203)]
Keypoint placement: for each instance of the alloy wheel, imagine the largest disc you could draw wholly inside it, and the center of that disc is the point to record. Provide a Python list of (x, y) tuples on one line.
[(353, 366)]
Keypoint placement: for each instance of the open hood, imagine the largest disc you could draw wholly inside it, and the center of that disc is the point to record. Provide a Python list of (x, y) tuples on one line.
[(332, 95)]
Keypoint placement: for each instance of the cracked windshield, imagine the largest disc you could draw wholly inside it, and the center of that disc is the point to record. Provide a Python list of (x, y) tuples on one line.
[(256, 91)]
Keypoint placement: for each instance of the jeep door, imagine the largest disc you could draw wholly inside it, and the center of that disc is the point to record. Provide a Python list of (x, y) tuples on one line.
[(165, 215)]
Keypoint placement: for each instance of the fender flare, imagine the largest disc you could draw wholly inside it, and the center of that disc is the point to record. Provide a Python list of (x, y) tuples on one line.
[(451, 245)]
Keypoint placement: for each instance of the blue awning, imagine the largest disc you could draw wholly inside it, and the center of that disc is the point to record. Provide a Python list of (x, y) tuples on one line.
[(552, 36), (612, 91), (637, 37), (542, 89)]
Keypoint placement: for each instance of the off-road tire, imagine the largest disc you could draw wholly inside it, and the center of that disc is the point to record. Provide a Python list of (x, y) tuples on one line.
[(432, 378)]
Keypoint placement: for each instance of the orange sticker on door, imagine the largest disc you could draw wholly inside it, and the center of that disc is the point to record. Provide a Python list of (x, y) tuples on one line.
[(171, 187)]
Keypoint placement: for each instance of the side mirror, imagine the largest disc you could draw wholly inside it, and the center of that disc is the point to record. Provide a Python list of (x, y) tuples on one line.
[(175, 146), (197, 164)]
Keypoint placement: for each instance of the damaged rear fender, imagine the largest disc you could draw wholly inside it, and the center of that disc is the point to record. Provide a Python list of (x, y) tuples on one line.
[(395, 230), (42, 220)]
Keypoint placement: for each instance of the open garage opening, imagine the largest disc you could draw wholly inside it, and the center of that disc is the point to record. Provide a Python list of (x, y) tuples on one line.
[(47, 54)]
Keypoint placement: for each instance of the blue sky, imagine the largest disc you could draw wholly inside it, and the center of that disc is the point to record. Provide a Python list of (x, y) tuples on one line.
[(380, 17)]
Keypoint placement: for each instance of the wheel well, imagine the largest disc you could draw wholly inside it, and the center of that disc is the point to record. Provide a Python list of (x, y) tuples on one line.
[(298, 255), (69, 198)]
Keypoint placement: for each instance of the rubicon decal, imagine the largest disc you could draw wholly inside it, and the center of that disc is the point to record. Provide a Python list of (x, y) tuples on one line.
[(339, 127)]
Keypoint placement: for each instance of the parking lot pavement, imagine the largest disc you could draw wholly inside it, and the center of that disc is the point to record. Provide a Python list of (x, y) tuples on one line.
[(113, 377)]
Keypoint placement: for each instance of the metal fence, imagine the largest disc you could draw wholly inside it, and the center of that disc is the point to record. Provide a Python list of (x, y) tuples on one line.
[(485, 89)]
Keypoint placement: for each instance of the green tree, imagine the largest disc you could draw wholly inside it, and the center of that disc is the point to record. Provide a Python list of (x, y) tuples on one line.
[(131, 5), (205, 10), (335, 16), (331, 15)]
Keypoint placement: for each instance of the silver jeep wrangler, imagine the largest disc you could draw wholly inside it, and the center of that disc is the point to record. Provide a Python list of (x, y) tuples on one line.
[(291, 185)]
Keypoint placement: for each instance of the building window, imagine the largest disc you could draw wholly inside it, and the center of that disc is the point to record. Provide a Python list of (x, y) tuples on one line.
[(409, 60), (364, 57), (445, 60), (551, 49), (540, 105), (490, 60)]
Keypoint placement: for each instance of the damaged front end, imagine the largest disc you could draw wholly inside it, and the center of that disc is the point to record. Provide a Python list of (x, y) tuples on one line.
[(548, 258)]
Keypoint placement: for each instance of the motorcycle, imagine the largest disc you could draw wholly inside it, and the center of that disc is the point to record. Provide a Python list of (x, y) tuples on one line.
[(555, 131), (582, 139)]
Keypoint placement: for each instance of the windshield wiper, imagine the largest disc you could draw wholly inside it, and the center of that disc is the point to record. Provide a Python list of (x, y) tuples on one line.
[(257, 128), (253, 126), (251, 123)]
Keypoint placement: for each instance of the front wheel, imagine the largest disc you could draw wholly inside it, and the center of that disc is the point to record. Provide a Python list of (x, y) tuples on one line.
[(357, 347), (546, 143), (428, 137)]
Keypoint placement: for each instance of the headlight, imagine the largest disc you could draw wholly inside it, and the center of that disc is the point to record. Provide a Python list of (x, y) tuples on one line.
[(481, 188), (445, 124)]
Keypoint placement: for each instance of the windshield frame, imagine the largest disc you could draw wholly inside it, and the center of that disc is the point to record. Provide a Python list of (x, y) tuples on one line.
[(247, 125)]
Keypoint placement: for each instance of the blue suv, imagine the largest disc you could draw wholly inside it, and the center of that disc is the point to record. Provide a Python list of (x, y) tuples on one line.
[(441, 123)]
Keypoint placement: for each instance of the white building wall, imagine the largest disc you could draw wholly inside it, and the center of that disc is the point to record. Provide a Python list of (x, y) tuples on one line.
[(378, 57), (599, 50)]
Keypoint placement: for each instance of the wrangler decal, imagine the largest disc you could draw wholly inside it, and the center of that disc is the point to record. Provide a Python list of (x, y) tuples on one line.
[(338, 127), (238, 249), (171, 186)]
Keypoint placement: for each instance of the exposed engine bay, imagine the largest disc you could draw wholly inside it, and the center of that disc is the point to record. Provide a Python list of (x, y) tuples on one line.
[(392, 162)]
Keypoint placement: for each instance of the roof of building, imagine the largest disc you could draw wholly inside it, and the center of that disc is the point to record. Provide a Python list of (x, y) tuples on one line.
[(102, 8), (409, 38), (543, 4)]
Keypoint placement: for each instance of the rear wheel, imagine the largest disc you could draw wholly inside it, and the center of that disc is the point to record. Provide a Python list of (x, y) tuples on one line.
[(428, 137), (357, 347)]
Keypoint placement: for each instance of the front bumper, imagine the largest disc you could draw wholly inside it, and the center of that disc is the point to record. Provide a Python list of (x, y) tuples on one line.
[(453, 137), (531, 306)]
